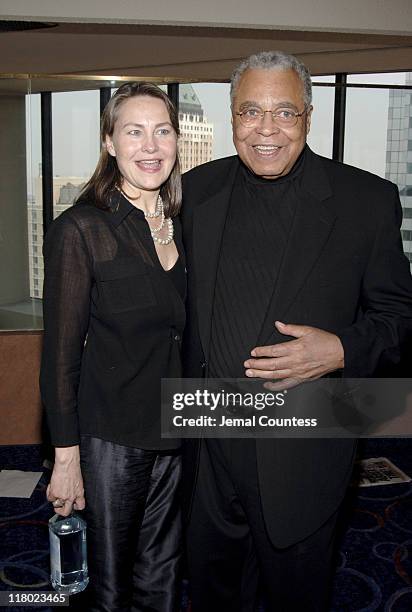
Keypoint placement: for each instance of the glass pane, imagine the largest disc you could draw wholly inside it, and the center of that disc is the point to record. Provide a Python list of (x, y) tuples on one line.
[(76, 125), (320, 137), (366, 129), (34, 195), (399, 155), (379, 78), (379, 139), (19, 154), (326, 78), (205, 123)]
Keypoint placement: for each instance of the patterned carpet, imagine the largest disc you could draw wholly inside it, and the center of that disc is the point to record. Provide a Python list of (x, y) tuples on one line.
[(374, 564), (375, 557)]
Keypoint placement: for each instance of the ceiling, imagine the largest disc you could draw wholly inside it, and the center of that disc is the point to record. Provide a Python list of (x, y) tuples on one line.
[(178, 53)]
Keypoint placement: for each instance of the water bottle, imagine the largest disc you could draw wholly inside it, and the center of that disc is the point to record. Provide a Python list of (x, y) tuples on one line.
[(68, 554)]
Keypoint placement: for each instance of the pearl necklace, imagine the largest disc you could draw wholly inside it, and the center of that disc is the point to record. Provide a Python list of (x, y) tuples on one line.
[(155, 230), (158, 209)]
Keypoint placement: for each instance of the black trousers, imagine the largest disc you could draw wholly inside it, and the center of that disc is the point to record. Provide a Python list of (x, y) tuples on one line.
[(229, 553), (133, 528)]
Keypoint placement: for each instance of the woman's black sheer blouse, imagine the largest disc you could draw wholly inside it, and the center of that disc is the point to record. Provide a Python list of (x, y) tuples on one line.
[(113, 320)]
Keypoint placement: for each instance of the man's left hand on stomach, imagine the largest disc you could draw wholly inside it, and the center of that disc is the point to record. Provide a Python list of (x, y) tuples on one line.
[(312, 354)]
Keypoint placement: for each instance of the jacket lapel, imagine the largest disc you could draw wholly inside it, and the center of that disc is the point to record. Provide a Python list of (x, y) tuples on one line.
[(208, 224), (312, 225)]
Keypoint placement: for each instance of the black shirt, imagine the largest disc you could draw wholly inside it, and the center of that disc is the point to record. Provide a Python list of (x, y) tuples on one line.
[(257, 228), (113, 320)]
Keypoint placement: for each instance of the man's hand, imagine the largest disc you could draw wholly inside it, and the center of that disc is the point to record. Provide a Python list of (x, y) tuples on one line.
[(315, 352)]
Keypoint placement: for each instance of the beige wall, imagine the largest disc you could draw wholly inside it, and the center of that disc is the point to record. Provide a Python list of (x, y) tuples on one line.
[(372, 16)]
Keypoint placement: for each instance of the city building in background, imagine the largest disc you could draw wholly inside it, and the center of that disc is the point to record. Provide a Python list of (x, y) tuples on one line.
[(399, 155), (35, 244), (65, 191), (196, 134)]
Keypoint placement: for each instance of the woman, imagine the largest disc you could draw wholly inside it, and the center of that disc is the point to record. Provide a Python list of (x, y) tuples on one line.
[(113, 316)]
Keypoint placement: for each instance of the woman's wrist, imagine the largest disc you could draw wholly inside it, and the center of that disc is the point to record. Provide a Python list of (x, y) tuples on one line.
[(65, 455)]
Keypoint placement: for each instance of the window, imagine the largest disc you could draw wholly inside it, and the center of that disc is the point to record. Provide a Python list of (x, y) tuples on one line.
[(34, 186), (205, 108), (76, 126), (20, 153), (320, 137), (378, 139)]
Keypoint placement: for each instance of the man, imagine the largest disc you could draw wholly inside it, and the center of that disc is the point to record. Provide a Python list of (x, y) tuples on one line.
[(296, 270)]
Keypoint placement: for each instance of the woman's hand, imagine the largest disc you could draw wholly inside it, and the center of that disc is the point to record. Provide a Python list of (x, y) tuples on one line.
[(65, 490)]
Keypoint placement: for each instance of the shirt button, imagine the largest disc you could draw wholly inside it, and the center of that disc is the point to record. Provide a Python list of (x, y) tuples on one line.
[(203, 364), (176, 337)]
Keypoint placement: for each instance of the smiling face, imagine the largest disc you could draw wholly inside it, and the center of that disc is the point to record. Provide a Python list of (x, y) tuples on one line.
[(266, 149), (144, 144)]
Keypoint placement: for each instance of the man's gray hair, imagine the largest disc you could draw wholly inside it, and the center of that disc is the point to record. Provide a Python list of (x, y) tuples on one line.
[(273, 60)]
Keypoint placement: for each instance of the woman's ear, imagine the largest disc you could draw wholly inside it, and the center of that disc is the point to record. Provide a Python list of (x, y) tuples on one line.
[(110, 146)]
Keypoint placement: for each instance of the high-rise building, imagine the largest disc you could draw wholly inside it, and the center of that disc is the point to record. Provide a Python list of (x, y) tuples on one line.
[(196, 134), (35, 244), (68, 193), (399, 155), (65, 191)]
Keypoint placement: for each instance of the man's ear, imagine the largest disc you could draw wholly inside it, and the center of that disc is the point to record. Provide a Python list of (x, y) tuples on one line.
[(308, 119), (110, 146)]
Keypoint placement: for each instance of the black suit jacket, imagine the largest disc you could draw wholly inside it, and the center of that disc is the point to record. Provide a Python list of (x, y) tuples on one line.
[(344, 271)]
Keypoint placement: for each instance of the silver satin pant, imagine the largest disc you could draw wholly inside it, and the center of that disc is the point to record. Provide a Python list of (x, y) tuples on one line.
[(133, 528)]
